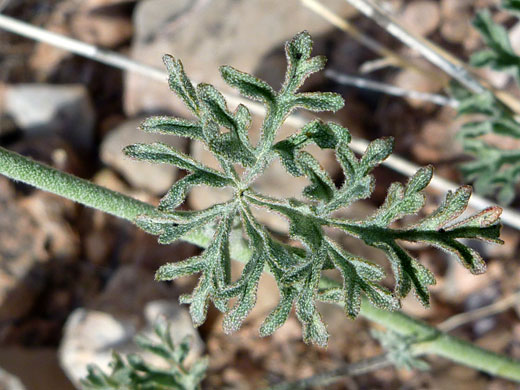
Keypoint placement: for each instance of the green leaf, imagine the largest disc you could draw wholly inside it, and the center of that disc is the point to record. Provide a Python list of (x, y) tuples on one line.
[(181, 84), (172, 125), (297, 269), (325, 135), (401, 201), (317, 101), (280, 314), (171, 271), (235, 144), (133, 372), (408, 273), (322, 187), (359, 276), (249, 86), (314, 329)]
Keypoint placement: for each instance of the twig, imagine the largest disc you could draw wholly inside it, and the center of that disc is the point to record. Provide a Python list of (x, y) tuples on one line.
[(486, 311), (389, 89), (435, 55), (392, 57), (509, 216), (330, 377), (373, 65)]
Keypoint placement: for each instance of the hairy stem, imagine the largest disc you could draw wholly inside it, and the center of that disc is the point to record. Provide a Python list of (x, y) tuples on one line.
[(20, 168), (23, 169)]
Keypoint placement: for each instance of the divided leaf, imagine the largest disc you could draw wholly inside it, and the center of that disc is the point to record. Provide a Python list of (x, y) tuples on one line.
[(494, 170), (136, 373), (298, 269)]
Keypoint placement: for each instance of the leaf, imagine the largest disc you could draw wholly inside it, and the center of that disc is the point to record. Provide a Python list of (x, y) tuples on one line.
[(171, 271), (172, 125), (181, 84), (235, 144), (359, 276), (133, 372), (280, 314), (314, 329), (317, 101), (322, 187), (232, 227), (325, 135), (248, 85), (401, 201), (408, 273)]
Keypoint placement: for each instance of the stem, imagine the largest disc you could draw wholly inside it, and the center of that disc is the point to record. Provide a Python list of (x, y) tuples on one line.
[(20, 168), (49, 179)]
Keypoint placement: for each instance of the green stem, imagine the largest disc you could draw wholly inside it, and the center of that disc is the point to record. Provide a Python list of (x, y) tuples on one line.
[(49, 179), (20, 168)]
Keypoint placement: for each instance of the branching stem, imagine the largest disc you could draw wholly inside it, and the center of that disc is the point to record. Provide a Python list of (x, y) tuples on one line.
[(23, 169)]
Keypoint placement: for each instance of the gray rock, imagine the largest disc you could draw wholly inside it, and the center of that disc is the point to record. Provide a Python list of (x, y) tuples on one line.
[(10, 382), (156, 178), (90, 337), (207, 34), (44, 109)]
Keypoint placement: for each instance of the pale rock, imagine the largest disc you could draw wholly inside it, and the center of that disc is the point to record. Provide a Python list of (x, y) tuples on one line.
[(9, 381), (456, 30), (514, 38), (65, 110), (156, 178), (421, 17), (411, 80), (90, 336), (206, 35), (46, 58), (120, 297), (453, 9)]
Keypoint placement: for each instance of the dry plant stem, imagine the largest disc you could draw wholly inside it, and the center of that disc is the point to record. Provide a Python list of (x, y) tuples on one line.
[(330, 377), (363, 83), (404, 167), (49, 179), (470, 316), (435, 55), (392, 57)]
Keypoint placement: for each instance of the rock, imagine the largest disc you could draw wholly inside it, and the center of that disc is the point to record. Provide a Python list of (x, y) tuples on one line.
[(10, 382), (90, 336), (32, 232), (197, 33), (92, 23), (514, 37), (46, 58), (101, 30), (421, 17), (120, 297), (156, 178), (411, 80), (22, 250), (453, 9), (456, 30), (45, 109)]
